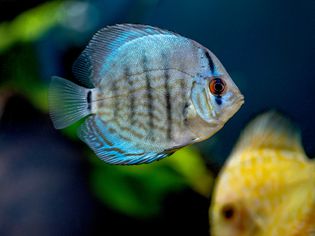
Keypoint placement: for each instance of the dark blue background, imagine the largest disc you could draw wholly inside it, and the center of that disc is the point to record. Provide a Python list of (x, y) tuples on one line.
[(267, 47)]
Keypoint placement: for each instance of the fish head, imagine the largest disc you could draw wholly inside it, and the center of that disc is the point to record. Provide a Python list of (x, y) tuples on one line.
[(215, 97), (235, 208), (224, 97)]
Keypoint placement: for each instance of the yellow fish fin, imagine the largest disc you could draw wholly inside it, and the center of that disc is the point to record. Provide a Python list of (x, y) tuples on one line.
[(270, 130)]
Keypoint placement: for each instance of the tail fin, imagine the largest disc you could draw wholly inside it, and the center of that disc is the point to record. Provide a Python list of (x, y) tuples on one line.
[(68, 102)]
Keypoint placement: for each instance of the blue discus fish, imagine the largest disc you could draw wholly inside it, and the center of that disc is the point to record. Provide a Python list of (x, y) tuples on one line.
[(146, 93)]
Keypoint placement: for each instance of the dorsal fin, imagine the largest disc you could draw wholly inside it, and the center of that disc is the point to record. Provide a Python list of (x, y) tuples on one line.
[(270, 130), (102, 48)]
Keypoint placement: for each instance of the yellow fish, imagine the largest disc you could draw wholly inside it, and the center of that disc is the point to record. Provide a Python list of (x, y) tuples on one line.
[(267, 187)]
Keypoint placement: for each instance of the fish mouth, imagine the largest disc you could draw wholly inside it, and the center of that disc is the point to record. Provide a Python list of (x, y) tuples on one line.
[(236, 105), (239, 100)]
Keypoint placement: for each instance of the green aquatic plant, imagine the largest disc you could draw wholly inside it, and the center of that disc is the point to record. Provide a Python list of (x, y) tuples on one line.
[(30, 25), (139, 191)]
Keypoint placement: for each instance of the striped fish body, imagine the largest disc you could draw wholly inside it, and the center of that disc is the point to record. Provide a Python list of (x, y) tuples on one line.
[(148, 93), (149, 109), (145, 97)]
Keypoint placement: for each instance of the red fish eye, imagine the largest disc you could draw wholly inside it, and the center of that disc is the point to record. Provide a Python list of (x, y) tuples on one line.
[(217, 86)]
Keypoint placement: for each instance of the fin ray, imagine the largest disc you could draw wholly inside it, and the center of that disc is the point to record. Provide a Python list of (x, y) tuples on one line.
[(103, 45), (83, 70), (67, 102)]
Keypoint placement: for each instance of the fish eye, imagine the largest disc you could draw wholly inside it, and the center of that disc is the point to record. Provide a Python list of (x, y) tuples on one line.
[(228, 212), (217, 86)]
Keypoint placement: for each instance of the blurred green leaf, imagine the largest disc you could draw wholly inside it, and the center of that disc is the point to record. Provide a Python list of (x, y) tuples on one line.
[(139, 190), (30, 25), (71, 131), (189, 163), (22, 76)]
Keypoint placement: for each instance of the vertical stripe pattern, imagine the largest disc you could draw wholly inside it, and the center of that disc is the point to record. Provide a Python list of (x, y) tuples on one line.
[(131, 96), (184, 101), (89, 100), (167, 93), (168, 105), (149, 93), (210, 62), (116, 99)]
